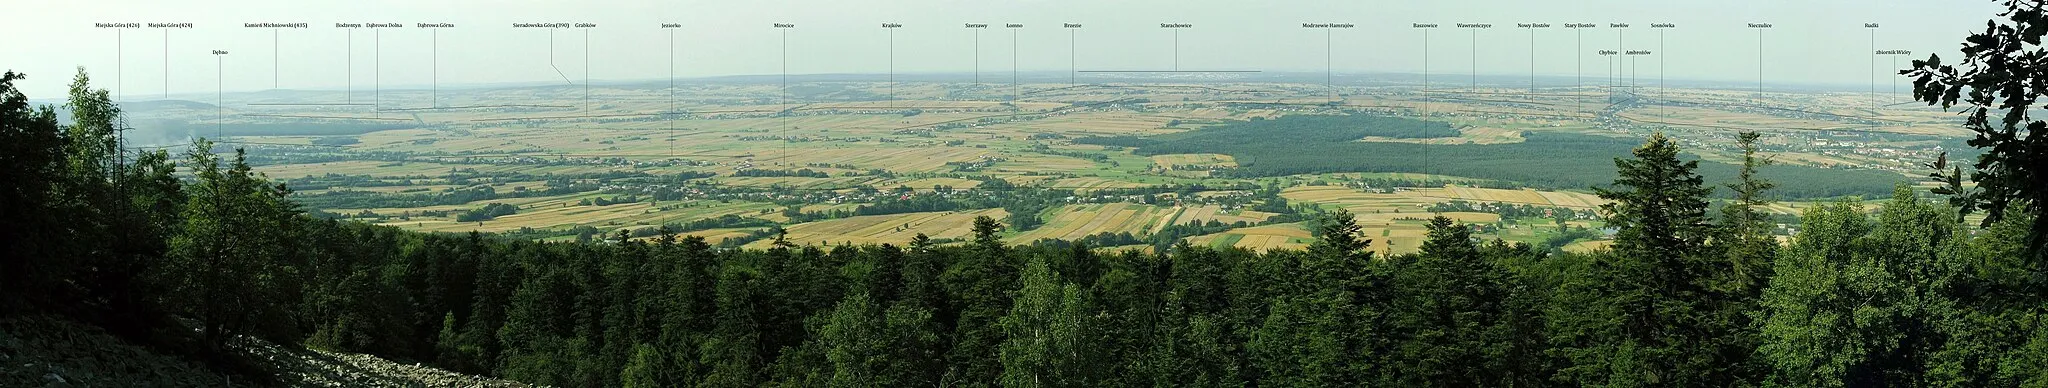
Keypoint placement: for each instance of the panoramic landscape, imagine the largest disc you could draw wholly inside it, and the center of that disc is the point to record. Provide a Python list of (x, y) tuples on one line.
[(1227, 223), (1117, 163)]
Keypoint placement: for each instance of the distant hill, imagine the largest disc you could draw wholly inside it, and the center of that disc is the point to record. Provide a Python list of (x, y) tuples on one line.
[(132, 107)]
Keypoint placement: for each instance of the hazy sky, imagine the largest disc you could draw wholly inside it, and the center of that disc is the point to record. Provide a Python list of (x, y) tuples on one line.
[(1811, 42)]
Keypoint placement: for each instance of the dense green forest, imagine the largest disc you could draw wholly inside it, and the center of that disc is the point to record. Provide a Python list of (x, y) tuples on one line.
[(189, 253), (1304, 144)]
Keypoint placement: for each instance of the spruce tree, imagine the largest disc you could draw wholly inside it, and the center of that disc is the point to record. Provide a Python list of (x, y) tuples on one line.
[(1737, 279), (1658, 205), (1637, 319), (981, 283), (1450, 316), (1746, 227)]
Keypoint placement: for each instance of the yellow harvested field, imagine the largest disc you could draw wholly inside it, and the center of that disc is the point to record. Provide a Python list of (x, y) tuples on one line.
[(1258, 238), (1285, 230), (1203, 160), (523, 203), (1522, 196), (1172, 216), (890, 105), (1357, 201), (1268, 242), (1572, 200), (714, 236), (1118, 250), (926, 184), (1396, 239), (1032, 180), (1036, 162), (1086, 184), (1256, 215), (562, 212), (1499, 195), (711, 236), (1800, 207), (1206, 213), (1108, 124), (1322, 193), (1588, 246), (898, 159), (1075, 221), (544, 217), (1191, 165), (1385, 218), (889, 229), (354, 167)]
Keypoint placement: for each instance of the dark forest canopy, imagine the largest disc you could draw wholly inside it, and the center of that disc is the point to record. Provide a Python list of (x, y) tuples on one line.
[(1309, 144)]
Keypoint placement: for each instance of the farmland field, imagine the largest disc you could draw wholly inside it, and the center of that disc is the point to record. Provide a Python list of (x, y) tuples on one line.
[(1074, 221), (890, 229), (831, 169), (1283, 236), (1195, 159), (1216, 213)]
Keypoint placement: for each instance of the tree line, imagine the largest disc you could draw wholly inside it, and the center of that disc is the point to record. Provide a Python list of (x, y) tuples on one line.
[(1304, 144)]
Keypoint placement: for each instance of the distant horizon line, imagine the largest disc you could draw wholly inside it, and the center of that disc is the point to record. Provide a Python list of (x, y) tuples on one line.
[(1121, 77)]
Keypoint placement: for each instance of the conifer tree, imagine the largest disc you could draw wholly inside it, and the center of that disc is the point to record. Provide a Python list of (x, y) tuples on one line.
[(1637, 319), (981, 283), (1450, 317)]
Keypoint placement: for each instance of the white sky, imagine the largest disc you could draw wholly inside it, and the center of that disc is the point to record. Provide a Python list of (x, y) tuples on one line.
[(1812, 42)]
